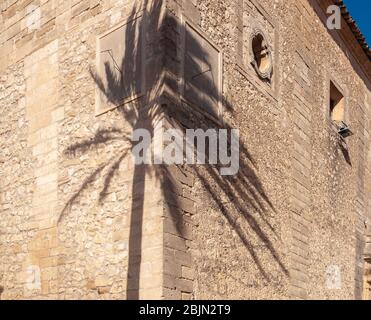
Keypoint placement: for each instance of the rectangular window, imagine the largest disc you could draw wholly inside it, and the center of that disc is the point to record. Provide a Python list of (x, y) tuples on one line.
[(120, 76), (337, 104)]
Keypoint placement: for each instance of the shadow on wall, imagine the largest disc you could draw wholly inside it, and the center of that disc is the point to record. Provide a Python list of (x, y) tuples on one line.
[(345, 152), (244, 191)]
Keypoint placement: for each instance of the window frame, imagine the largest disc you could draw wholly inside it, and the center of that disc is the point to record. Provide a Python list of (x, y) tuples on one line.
[(268, 73)]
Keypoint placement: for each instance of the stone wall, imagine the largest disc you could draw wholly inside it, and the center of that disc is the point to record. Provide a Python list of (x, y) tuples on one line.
[(80, 220), (292, 223)]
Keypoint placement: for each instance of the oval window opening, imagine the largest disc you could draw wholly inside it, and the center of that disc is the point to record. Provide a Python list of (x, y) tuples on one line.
[(261, 53)]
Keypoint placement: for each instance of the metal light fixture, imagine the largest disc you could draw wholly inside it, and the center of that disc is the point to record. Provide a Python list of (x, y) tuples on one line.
[(344, 130)]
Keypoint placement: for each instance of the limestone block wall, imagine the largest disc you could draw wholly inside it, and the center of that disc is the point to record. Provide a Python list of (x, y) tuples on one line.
[(43, 115), (80, 220), (237, 248), (290, 225), (17, 181)]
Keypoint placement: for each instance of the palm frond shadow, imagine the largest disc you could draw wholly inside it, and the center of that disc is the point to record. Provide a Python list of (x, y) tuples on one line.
[(244, 192)]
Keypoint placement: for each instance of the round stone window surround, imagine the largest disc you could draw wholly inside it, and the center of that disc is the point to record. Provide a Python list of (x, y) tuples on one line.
[(263, 64)]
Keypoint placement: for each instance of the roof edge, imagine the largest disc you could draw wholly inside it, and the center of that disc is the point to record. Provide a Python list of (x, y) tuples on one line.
[(354, 28)]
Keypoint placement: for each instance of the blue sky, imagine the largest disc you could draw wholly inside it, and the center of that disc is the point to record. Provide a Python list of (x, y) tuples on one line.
[(360, 10)]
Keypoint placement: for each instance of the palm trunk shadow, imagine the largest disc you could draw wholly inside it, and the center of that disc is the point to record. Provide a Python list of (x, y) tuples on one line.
[(135, 233)]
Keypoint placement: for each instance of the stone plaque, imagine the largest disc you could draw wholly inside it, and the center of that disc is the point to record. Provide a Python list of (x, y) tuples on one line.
[(202, 74), (119, 66)]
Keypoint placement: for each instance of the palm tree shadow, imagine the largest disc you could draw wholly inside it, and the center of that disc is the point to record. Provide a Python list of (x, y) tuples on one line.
[(244, 192)]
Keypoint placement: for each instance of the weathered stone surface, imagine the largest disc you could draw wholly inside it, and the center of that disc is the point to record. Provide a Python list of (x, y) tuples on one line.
[(80, 221)]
